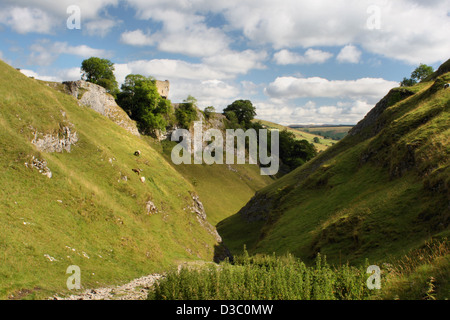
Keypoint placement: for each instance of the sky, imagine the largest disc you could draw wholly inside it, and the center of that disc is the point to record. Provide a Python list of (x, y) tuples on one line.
[(298, 62)]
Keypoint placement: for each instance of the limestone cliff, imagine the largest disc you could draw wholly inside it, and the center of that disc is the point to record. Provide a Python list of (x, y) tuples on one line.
[(96, 98)]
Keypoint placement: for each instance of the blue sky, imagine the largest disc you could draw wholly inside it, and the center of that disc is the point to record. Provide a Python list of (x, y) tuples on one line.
[(299, 62)]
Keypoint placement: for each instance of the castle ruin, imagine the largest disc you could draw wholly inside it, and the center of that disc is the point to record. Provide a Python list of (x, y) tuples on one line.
[(163, 88)]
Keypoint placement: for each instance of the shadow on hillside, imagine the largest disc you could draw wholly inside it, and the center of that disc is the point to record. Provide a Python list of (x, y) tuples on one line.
[(221, 253)]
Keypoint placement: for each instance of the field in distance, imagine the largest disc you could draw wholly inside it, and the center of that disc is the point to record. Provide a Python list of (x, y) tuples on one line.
[(303, 133), (333, 132)]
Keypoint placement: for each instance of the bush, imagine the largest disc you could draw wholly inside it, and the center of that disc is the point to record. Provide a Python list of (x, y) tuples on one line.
[(208, 112), (140, 99), (101, 72), (419, 74), (186, 114), (243, 110), (264, 277)]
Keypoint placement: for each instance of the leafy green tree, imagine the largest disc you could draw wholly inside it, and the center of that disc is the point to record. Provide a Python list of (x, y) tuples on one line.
[(101, 72), (293, 152), (244, 111), (208, 111), (407, 82), (233, 122), (186, 113), (190, 99), (419, 74), (140, 99)]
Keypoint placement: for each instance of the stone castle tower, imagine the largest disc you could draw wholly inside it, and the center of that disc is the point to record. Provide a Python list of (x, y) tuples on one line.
[(163, 88)]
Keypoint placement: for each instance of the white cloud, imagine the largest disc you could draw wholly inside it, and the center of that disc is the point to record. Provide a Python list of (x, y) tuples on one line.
[(250, 88), (192, 39), (215, 93), (25, 20), (343, 112), (31, 73), (234, 62), (99, 27), (285, 57), (58, 76), (168, 69), (48, 16), (44, 52), (90, 9), (225, 66), (410, 31), (137, 38), (183, 31), (349, 54), (291, 88)]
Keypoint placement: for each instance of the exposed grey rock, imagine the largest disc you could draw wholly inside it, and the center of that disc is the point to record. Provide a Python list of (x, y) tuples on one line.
[(151, 208), (40, 165), (63, 140), (135, 290), (199, 210), (96, 98)]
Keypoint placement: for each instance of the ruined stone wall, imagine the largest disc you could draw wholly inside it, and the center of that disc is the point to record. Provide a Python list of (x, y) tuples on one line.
[(163, 88)]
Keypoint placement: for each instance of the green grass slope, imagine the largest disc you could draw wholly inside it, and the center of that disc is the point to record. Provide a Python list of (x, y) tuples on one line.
[(380, 192), (224, 189), (86, 214)]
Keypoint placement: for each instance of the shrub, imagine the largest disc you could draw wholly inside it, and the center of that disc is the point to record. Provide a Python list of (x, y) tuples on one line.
[(186, 114), (264, 277)]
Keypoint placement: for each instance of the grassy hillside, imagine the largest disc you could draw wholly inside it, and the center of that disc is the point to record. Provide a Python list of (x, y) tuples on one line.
[(380, 192), (302, 135), (224, 189), (87, 214)]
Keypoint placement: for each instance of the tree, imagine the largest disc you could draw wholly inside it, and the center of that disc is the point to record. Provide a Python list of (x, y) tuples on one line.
[(140, 99), (293, 152), (208, 111), (101, 72), (186, 113), (244, 111), (419, 74), (407, 82)]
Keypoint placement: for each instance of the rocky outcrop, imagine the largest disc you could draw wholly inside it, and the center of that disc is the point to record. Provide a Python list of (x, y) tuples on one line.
[(215, 121), (59, 142), (96, 98), (199, 210), (40, 165)]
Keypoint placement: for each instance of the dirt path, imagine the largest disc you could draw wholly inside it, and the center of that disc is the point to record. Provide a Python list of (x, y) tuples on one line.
[(134, 290)]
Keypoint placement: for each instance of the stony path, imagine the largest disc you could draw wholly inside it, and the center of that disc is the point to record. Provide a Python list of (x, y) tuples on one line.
[(134, 290)]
